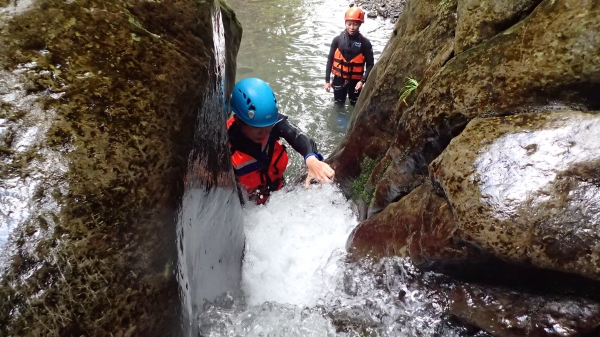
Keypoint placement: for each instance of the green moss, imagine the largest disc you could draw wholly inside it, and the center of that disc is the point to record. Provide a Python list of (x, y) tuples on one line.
[(357, 189), (131, 80)]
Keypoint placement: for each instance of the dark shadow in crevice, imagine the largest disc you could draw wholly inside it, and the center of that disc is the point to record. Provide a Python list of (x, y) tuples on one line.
[(450, 57), (488, 270), (515, 19)]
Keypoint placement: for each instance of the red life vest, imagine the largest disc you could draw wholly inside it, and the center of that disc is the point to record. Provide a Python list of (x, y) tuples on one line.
[(348, 69), (258, 180)]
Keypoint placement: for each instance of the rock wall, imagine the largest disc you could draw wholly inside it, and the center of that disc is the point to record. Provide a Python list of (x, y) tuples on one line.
[(99, 103), (493, 153), (541, 58)]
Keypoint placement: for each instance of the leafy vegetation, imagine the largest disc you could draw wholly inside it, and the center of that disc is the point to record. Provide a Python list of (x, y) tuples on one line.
[(409, 86)]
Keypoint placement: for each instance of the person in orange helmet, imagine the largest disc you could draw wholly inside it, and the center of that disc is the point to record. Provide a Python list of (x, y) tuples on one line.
[(350, 59)]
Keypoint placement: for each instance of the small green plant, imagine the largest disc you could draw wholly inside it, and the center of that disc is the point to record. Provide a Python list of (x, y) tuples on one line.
[(409, 86), (357, 188)]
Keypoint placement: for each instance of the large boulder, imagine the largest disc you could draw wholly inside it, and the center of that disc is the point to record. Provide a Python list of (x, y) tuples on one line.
[(526, 188), (512, 201), (522, 188), (495, 73), (98, 106), (549, 56), (420, 226)]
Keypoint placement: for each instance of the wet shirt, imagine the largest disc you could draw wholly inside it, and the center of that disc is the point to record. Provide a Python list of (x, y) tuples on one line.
[(351, 46), (282, 129)]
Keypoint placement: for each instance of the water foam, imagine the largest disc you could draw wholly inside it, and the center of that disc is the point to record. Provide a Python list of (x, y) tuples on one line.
[(297, 280), (294, 245)]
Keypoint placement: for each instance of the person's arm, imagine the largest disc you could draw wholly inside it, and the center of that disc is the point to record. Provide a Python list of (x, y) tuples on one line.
[(332, 49), (294, 136), (367, 51), (369, 59), (317, 169)]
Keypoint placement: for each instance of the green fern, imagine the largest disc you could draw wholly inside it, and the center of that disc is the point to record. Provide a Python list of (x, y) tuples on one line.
[(409, 86)]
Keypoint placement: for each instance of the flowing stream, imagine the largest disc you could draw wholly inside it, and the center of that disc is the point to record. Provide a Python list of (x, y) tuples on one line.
[(286, 43), (296, 278)]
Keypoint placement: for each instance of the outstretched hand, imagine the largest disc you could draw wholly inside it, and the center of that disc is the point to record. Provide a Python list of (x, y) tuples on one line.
[(318, 170)]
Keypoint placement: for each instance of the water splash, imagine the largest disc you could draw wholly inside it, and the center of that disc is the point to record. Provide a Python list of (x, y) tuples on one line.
[(295, 245), (298, 281)]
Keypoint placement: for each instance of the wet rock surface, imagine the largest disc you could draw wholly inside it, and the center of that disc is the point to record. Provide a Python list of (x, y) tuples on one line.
[(482, 20), (98, 103), (506, 313), (526, 188), (420, 226), (504, 75), (530, 67)]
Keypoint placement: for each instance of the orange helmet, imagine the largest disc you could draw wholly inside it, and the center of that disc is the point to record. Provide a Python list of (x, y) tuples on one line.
[(355, 14)]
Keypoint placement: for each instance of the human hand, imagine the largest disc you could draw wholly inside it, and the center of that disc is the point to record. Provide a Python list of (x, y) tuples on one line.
[(318, 170), (358, 86), (327, 86)]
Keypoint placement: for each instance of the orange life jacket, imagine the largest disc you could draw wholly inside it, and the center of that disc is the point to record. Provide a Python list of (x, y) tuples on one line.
[(258, 180), (349, 70)]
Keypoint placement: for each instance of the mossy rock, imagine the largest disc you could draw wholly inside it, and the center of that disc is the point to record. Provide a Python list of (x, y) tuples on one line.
[(104, 97)]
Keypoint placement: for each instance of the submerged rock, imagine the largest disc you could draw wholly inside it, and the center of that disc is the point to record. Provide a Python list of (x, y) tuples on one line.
[(506, 313)]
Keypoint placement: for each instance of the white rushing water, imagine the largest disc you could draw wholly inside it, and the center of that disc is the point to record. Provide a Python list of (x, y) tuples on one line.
[(294, 245), (297, 280)]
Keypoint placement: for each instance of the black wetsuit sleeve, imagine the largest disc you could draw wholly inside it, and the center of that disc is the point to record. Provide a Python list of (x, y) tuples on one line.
[(295, 137), (334, 46), (369, 59)]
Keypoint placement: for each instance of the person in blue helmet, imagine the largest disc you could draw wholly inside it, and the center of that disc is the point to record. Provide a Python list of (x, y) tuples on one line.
[(259, 158)]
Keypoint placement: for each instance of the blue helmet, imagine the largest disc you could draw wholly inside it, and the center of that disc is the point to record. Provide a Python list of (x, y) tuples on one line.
[(254, 102)]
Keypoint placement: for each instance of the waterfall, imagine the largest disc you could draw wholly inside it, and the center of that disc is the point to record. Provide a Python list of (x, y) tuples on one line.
[(210, 236), (298, 281)]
